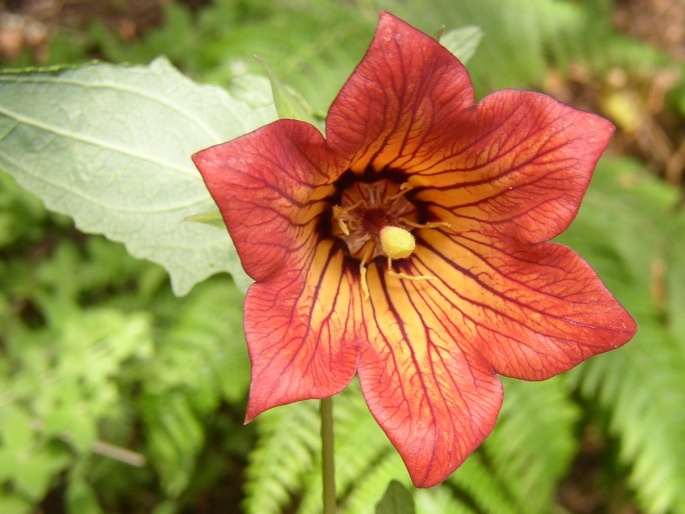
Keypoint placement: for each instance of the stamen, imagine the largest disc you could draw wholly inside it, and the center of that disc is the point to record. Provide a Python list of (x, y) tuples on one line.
[(362, 273), (430, 224), (404, 276), (405, 187), (377, 220), (340, 215)]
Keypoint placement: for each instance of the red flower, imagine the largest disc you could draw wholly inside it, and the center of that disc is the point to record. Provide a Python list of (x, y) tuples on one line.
[(462, 287)]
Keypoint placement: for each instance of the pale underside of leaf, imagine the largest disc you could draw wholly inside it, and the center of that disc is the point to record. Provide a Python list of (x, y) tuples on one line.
[(462, 42), (110, 146)]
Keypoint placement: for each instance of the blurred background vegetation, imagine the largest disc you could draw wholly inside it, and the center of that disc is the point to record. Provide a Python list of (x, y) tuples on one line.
[(118, 397)]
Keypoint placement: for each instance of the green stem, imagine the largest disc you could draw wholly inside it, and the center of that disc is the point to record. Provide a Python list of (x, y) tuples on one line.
[(327, 460)]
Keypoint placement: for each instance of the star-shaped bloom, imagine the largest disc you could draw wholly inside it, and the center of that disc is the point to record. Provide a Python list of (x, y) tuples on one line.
[(409, 246)]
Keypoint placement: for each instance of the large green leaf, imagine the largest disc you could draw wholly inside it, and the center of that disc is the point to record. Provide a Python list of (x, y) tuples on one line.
[(111, 145)]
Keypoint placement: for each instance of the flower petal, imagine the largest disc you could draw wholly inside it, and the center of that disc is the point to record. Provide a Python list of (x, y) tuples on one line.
[(532, 311), (517, 165), (435, 402), (301, 328), (270, 187), (301, 317), (406, 86)]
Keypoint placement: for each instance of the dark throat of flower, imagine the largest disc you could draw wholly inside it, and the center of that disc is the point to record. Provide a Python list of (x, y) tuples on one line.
[(375, 219)]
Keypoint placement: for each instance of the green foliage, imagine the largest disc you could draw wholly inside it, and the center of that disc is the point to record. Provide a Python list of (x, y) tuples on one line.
[(284, 454), (286, 464), (110, 385), (534, 442), (76, 362), (641, 385), (289, 104), (524, 38), (667, 278), (442, 500), (202, 361), (304, 43), (93, 143), (94, 349), (462, 42), (396, 500), (530, 450)]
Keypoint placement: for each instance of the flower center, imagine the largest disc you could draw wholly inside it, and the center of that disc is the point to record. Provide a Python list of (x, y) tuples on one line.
[(375, 219), (365, 209)]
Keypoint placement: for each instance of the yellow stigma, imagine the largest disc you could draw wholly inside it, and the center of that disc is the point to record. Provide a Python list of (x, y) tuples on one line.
[(397, 243)]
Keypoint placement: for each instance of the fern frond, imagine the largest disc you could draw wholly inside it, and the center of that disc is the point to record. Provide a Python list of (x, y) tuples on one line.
[(201, 361), (370, 487), (642, 387), (175, 436), (523, 38), (359, 445), (207, 343), (518, 467), (284, 455), (440, 500), (476, 480), (306, 44), (533, 442), (674, 278)]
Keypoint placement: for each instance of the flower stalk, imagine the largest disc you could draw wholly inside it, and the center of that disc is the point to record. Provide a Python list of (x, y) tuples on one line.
[(327, 456)]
